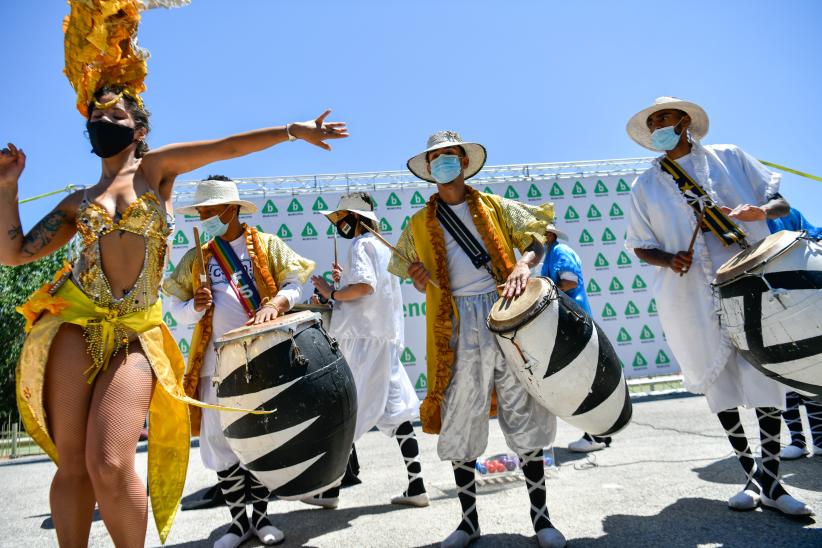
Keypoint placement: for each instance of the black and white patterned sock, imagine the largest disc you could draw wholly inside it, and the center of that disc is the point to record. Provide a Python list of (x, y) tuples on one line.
[(770, 428), (793, 419), (732, 424), (814, 411), (534, 471), (259, 501), (411, 455), (465, 477), (232, 484)]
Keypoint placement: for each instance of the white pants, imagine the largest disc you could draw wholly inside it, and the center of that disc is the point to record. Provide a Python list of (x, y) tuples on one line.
[(214, 449), (740, 384)]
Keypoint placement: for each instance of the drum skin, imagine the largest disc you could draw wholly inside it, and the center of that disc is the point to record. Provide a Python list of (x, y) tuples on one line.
[(301, 448), (565, 361), (773, 312)]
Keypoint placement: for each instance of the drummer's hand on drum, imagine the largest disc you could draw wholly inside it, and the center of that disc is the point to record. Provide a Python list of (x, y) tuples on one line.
[(681, 262), (515, 284), (419, 275), (266, 313), (746, 212), (336, 272), (202, 299)]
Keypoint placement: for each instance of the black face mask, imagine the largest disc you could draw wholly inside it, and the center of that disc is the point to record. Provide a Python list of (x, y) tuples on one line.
[(347, 226), (108, 138)]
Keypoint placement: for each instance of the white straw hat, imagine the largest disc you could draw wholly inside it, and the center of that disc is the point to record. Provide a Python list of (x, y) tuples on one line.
[(355, 203), (557, 232), (638, 124), (213, 192), (443, 139)]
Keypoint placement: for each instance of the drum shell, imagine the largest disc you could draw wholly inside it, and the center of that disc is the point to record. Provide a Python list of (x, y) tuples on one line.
[(301, 448), (779, 331), (585, 387)]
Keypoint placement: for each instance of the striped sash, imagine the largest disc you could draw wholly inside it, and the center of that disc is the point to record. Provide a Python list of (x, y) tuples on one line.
[(238, 278), (719, 224)]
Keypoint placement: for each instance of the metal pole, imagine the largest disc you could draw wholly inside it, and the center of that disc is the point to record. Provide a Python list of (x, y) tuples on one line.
[(14, 440)]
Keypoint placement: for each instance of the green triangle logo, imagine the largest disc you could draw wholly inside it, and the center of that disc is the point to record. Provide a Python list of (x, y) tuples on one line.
[(608, 311), (615, 210), (393, 200), (260, 228), (422, 382), (646, 334), (556, 190), (593, 287), (608, 236), (204, 237), (616, 285), (652, 307), (511, 193), (622, 186), (284, 233), (578, 189), (639, 360), (623, 336), (623, 259), (169, 267), (405, 223), (593, 212), (631, 309), (319, 204), (179, 239), (385, 226), (417, 200), (601, 261), (600, 188), (407, 356), (662, 358), (309, 231), (169, 320), (184, 346), (639, 283), (585, 237), (571, 214), (533, 191), (488, 190), (269, 208), (295, 206), (330, 231)]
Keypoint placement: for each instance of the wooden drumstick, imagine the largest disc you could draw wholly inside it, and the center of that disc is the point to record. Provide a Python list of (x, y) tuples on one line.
[(696, 232), (200, 258), (399, 253), (336, 261)]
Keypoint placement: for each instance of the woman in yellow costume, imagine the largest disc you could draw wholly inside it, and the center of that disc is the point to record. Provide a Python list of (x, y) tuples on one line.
[(98, 357)]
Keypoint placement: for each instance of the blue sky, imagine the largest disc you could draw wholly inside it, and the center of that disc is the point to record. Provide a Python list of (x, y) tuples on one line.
[(535, 81)]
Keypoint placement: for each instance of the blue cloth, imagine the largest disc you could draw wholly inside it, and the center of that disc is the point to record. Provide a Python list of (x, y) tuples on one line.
[(561, 258), (794, 221)]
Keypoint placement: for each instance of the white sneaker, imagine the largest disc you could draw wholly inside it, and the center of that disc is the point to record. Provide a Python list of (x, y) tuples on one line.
[(419, 501), (791, 452), (550, 538), (230, 540), (459, 539), (788, 505), (269, 535), (586, 445), (328, 503), (744, 500)]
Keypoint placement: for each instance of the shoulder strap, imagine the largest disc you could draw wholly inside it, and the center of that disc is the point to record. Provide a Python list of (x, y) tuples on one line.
[(468, 243)]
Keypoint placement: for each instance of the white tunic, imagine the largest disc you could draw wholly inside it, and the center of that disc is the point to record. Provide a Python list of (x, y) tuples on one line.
[(660, 218), (370, 331)]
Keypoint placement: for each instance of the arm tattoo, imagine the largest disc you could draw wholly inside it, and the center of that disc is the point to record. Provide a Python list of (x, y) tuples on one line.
[(43, 233), (14, 232)]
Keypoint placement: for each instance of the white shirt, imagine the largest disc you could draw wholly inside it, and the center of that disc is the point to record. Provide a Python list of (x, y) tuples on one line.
[(375, 316), (228, 311), (660, 218), (465, 278)]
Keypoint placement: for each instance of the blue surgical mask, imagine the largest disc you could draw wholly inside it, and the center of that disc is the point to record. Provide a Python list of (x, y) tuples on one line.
[(445, 168), (214, 226), (665, 138)]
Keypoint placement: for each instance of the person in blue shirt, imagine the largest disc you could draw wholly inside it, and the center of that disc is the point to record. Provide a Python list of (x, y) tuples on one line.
[(563, 266), (798, 447)]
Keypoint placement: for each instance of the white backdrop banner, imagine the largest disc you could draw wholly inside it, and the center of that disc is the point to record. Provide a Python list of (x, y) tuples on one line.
[(590, 209)]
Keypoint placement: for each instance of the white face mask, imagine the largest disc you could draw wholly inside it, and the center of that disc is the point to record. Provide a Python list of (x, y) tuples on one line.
[(214, 226)]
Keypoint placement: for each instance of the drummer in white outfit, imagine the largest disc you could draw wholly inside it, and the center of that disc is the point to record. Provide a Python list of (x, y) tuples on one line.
[(661, 224), (367, 321)]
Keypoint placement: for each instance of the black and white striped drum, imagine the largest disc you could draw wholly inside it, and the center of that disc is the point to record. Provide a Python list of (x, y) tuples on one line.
[(771, 295), (562, 358), (292, 367)]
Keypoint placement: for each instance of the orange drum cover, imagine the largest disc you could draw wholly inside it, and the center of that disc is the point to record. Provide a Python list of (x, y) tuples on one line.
[(759, 253), (508, 314), (279, 324)]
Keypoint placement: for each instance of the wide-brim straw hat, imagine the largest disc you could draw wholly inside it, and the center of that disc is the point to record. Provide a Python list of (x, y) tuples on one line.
[(443, 139), (355, 203), (213, 193), (637, 127), (559, 234)]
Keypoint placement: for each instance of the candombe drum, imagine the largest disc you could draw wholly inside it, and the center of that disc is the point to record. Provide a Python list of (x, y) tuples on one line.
[(562, 358), (292, 367), (771, 298)]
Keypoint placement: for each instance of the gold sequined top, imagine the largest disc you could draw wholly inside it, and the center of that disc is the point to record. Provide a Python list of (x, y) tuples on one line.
[(144, 217)]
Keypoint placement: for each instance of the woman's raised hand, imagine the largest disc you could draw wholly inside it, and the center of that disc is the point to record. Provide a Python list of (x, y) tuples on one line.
[(318, 131), (12, 162)]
